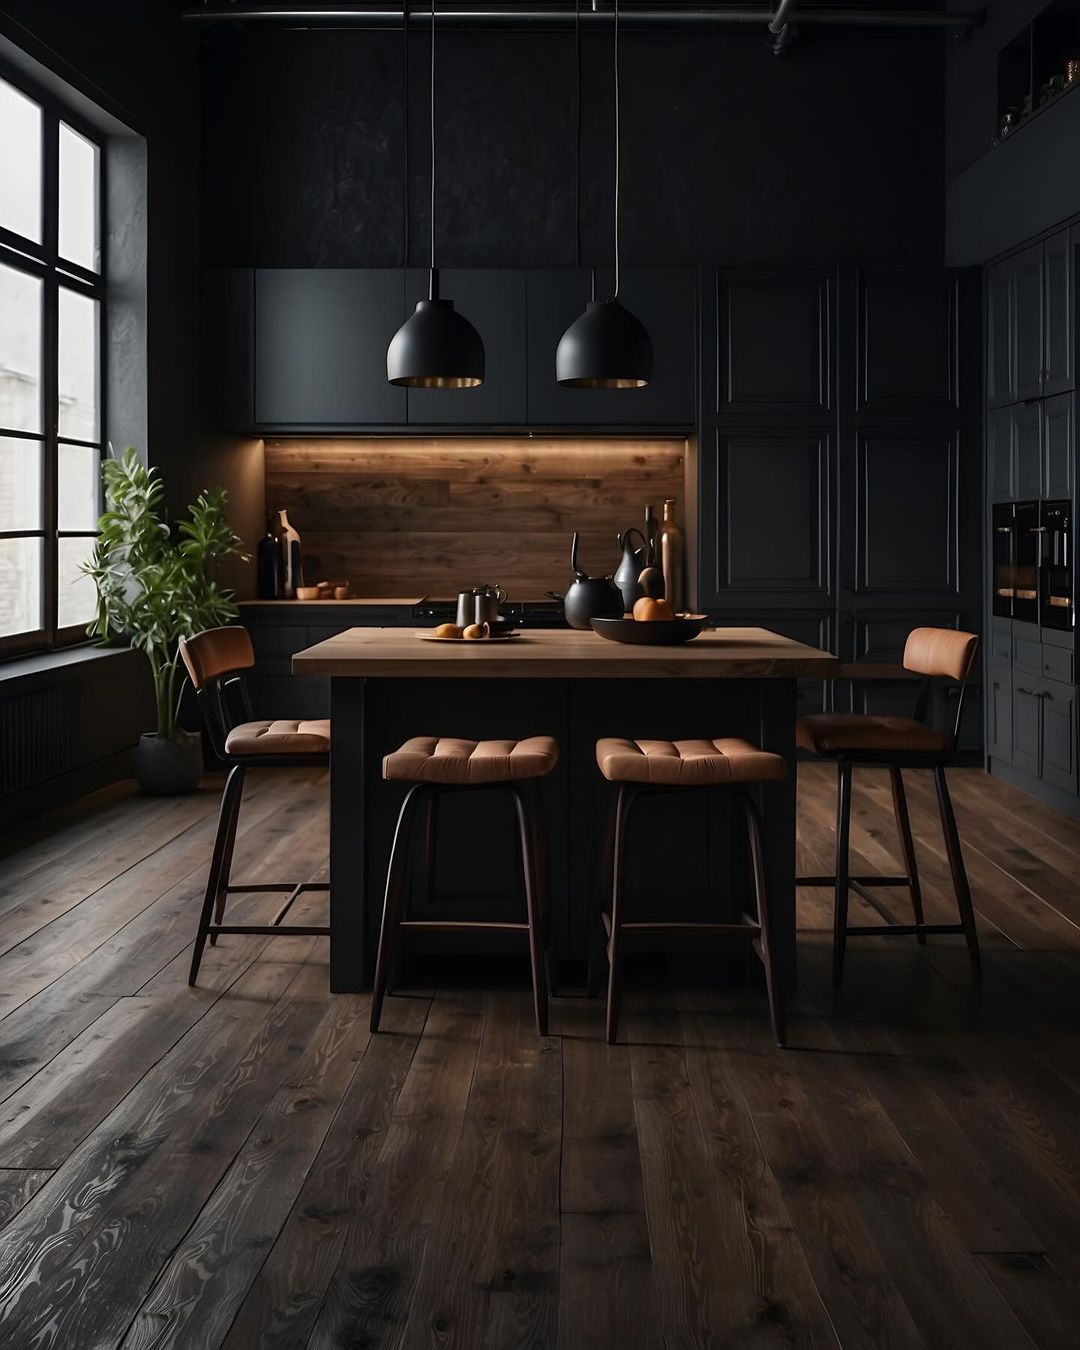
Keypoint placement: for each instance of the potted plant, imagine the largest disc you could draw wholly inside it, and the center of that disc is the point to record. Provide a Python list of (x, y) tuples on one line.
[(153, 590)]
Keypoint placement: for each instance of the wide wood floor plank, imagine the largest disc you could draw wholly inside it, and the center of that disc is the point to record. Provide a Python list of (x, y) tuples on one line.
[(78, 1260), (283, 1301), (18, 1186), (369, 1297)]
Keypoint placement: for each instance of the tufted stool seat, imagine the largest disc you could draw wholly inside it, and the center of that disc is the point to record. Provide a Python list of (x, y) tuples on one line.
[(725, 764), (432, 765), (285, 736), (830, 734), (694, 763), (460, 763)]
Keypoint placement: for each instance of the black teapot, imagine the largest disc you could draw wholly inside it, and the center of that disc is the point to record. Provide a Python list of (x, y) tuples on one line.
[(589, 597)]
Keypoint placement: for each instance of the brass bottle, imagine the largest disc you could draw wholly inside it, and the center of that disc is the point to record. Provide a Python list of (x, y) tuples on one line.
[(672, 550)]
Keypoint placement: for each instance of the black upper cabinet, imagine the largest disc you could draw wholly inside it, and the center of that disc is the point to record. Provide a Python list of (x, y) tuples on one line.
[(1057, 477), (766, 510), (1030, 323), (320, 347), (1028, 450), (907, 350), (493, 301), (774, 349), (1058, 358), (663, 299), (1000, 385), (1028, 293), (228, 346)]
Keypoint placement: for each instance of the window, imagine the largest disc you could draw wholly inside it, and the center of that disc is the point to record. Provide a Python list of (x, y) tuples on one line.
[(51, 388)]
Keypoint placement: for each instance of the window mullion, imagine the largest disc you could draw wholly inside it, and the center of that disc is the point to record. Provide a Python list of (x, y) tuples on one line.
[(51, 371)]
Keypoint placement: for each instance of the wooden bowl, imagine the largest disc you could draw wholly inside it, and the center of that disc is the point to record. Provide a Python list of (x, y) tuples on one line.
[(657, 633)]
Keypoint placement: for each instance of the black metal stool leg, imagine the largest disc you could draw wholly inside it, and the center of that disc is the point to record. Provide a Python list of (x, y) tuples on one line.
[(542, 859), (220, 859), (958, 870), (596, 952), (396, 874), (533, 911), (229, 846), (907, 846), (623, 805), (764, 917), (840, 902)]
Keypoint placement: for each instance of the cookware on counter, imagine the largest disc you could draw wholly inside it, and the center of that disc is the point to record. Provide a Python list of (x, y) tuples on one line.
[(634, 561), (480, 605), (588, 597), (658, 633)]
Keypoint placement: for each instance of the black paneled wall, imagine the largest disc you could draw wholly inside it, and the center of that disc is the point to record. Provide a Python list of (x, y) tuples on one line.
[(833, 154)]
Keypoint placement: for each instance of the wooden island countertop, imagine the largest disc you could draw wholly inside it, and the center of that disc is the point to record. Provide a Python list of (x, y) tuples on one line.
[(724, 653)]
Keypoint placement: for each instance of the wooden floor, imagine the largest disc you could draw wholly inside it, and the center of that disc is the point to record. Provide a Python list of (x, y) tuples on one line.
[(240, 1165)]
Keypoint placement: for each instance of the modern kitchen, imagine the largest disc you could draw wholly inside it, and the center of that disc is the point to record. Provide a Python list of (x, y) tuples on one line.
[(539, 758)]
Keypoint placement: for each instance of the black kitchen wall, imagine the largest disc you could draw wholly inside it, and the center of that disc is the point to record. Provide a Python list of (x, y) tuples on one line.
[(831, 154)]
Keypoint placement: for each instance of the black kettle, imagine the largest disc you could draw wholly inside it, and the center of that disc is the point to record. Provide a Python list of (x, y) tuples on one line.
[(589, 597)]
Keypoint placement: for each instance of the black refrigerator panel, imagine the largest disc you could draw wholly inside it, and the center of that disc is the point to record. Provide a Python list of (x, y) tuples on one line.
[(1056, 580), (1025, 598), (1004, 554)]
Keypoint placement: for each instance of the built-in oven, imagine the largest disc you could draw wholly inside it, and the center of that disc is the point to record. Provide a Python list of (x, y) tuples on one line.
[(1056, 606), (1025, 597), (1004, 555)]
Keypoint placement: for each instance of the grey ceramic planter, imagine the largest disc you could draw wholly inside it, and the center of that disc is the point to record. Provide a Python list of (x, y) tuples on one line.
[(167, 766)]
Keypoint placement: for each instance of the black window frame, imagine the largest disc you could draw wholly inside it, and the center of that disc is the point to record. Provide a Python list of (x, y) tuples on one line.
[(43, 260)]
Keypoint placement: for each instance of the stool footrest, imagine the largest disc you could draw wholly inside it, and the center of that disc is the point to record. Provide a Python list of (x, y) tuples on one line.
[(905, 929), (271, 930), (862, 881), (464, 926), (296, 886)]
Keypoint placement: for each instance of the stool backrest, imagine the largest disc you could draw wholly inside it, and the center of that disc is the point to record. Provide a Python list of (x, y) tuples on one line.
[(216, 660), (941, 654)]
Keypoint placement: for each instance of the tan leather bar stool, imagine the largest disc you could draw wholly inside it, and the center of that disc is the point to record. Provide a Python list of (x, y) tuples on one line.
[(216, 660), (730, 766), (438, 764), (944, 656)]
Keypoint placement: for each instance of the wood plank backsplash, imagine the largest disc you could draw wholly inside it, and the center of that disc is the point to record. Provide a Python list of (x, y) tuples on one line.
[(400, 516)]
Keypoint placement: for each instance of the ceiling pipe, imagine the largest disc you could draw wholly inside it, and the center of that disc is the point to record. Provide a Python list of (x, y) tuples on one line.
[(693, 17)]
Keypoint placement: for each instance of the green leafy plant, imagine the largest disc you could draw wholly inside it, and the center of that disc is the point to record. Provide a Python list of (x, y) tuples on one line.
[(151, 589)]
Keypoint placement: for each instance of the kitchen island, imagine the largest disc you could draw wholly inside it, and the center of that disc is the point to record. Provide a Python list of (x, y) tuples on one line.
[(388, 684)]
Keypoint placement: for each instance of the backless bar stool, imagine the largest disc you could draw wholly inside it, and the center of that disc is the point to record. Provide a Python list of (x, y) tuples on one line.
[(216, 660), (437, 764), (728, 766), (944, 656)]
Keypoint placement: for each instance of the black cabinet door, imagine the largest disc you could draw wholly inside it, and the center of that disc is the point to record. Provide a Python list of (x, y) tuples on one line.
[(774, 345), (765, 521), (663, 299), (1002, 463), (903, 544), (1000, 384), (1026, 725), (1027, 271), (320, 347), (1059, 735), (1058, 446), (1058, 358), (907, 343), (999, 714), (493, 301), (1027, 448)]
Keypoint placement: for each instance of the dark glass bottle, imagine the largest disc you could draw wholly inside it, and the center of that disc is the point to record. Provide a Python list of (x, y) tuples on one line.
[(268, 564)]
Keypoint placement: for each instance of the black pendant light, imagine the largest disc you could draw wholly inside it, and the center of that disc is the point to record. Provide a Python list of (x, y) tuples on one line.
[(607, 347), (436, 347)]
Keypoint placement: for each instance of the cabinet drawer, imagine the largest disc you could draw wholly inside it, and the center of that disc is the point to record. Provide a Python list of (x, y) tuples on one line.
[(1057, 664), (278, 641), (1001, 648), (1027, 655)]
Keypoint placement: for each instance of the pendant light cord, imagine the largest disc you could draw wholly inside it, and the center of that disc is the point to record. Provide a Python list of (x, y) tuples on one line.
[(431, 274), (617, 129), (577, 136), (405, 127)]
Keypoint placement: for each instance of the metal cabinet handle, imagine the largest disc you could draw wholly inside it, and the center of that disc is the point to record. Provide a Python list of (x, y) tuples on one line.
[(1029, 692), (1003, 529)]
